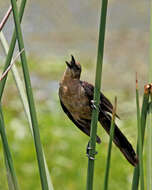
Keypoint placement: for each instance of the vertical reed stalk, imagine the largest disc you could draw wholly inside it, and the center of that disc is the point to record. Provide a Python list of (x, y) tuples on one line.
[(139, 140), (149, 148), (149, 125), (144, 111), (36, 134), (95, 112), (112, 128), (7, 154)]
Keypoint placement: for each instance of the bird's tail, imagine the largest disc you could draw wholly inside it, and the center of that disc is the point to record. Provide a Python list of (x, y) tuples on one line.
[(119, 139)]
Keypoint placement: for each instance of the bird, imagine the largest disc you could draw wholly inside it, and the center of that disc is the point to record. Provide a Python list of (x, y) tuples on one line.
[(76, 99)]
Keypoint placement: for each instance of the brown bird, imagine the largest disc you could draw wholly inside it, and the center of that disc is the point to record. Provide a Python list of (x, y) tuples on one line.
[(76, 100)]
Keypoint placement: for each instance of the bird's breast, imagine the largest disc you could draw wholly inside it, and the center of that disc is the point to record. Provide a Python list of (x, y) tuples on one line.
[(74, 98)]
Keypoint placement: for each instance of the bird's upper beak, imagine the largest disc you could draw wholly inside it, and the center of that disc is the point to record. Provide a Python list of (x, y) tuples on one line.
[(72, 63)]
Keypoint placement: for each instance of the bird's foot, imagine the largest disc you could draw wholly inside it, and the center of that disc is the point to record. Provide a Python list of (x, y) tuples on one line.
[(93, 105), (87, 151), (90, 157)]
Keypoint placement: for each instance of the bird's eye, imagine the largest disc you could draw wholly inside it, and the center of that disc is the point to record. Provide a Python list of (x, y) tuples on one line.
[(77, 67)]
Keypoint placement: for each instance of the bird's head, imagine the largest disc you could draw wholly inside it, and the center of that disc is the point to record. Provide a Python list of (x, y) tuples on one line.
[(73, 68)]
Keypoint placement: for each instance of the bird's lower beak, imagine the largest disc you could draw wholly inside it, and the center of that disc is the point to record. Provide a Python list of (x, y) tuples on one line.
[(72, 62), (68, 64)]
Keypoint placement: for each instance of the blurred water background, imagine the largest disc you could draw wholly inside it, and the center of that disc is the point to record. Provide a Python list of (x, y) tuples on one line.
[(53, 30)]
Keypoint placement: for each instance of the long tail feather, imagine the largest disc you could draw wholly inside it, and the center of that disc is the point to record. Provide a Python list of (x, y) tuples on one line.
[(119, 139)]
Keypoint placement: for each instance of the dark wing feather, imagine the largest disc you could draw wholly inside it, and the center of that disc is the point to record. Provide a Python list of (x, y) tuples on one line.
[(83, 125), (104, 104), (119, 139), (105, 119)]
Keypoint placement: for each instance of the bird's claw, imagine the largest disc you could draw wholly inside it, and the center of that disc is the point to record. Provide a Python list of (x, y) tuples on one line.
[(87, 152), (88, 148), (90, 157), (93, 105)]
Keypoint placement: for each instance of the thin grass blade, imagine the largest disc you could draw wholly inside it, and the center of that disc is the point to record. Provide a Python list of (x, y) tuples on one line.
[(12, 179), (144, 111), (149, 124), (8, 173), (112, 128), (149, 148), (139, 140), (4, 20), (11, 49)]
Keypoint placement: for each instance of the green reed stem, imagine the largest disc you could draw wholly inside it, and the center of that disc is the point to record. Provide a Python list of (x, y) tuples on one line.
[(144, 111), (36, 134), (112, 128), (149, 125), (7, 154), (140, 142), (90, 172), (149, 147)]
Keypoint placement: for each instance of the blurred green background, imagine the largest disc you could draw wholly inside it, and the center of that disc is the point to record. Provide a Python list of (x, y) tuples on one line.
[(52, 32)]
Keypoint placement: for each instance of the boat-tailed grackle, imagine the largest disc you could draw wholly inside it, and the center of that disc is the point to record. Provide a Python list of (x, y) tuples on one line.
[(76, 100)]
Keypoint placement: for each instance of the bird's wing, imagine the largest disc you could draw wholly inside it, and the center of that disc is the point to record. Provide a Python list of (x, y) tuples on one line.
[(104, 104), (83, 124), (119, 139), (85, 130)]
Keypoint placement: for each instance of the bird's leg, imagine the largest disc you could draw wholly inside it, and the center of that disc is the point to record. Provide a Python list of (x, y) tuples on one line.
[(93, 105), (87, 151)]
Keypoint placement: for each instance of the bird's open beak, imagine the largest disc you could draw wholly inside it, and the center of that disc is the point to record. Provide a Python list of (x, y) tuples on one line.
[(68, 64), (72, 63)]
